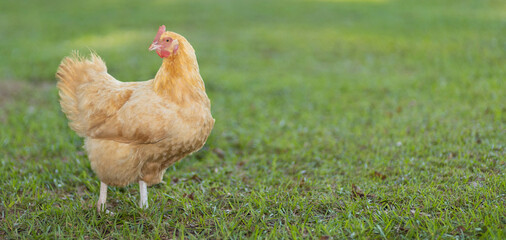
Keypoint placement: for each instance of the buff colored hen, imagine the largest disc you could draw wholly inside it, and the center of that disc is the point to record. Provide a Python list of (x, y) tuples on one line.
[(134, 130)]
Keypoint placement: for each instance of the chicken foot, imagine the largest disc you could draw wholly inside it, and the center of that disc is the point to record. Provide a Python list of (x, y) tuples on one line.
[(102, 198), (143, 188)]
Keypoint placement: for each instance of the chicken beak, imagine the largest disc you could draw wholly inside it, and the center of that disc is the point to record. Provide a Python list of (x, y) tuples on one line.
[(154, 46)]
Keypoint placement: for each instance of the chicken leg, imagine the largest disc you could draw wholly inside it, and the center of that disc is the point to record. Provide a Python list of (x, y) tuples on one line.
[(143, 188), (102, 198)]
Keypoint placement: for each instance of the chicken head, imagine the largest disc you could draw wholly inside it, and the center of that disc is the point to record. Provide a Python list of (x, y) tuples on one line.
[(164, 44)]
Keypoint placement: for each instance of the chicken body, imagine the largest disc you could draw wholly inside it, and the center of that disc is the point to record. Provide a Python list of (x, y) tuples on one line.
[(135, 130), (181, 130)]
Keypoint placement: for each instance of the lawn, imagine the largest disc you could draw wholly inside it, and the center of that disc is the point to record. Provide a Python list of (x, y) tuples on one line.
[(334, 119)]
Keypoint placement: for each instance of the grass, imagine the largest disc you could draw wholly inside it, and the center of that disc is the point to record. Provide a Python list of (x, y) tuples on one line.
[(334, 119)]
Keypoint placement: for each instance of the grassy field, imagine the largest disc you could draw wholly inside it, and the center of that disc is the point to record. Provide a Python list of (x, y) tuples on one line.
[(334, 119)]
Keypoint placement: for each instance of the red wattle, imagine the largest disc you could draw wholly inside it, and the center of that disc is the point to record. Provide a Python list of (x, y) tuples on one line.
[(163, 53)]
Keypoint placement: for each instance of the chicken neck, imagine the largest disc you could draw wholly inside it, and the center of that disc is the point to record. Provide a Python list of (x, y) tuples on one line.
[(178, 78)]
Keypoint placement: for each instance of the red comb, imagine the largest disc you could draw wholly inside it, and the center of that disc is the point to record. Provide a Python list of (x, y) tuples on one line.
[(161, 30)]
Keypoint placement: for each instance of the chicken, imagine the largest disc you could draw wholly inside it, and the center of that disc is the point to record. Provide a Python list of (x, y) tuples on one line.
[(133, 131)]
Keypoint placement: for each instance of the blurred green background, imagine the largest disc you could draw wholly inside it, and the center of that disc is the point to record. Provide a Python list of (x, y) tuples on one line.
[(334, 119)]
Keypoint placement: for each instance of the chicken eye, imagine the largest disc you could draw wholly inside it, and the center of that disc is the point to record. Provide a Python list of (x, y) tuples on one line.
[(167, 40)]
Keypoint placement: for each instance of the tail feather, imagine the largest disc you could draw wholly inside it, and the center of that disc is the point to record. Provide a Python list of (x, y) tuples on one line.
[(72, 73)]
